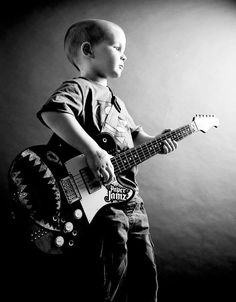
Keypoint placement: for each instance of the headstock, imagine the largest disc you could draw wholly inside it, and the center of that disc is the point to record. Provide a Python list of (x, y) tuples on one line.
[(204, 122)]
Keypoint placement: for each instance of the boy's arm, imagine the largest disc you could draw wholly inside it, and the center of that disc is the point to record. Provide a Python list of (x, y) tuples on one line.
[(169, 145), (67, 127)]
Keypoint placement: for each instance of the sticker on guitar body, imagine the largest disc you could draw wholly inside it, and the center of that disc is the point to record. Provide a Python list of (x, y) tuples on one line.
[(116, 193)]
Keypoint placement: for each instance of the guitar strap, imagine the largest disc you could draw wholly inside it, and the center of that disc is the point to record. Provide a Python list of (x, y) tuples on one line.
[(116, 124), (111, 120)]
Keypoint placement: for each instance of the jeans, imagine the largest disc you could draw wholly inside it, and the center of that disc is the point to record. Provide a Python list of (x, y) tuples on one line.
[(114, 263), (122, 263)]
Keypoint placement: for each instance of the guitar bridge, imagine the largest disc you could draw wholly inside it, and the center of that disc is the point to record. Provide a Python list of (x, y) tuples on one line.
[(70, 189)]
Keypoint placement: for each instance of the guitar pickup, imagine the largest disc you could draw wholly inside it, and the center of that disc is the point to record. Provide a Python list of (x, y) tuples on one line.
[(92, 185), (70, 189)]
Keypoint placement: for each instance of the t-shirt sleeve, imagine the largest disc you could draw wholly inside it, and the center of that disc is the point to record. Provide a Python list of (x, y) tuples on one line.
[(68, 98)]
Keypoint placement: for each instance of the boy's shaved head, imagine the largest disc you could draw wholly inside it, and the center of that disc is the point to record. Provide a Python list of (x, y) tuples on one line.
[(93, 31)]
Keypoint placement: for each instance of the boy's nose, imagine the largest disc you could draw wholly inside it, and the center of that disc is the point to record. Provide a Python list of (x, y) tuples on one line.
[(123, 57)]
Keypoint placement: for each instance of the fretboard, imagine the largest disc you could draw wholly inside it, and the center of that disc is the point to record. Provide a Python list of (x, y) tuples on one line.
[(134, 156)]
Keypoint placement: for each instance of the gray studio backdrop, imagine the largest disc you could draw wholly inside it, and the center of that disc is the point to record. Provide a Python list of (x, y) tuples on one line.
[(181, 62)]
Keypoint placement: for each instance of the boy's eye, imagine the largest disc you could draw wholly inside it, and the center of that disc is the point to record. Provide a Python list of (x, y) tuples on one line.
[(117, 47)]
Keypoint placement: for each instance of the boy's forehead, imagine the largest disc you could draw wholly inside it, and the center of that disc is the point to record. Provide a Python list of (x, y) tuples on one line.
[(113, 31), (116, 35)]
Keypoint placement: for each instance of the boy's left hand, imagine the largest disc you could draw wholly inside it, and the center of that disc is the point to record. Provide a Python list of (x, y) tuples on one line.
[(169, 145)]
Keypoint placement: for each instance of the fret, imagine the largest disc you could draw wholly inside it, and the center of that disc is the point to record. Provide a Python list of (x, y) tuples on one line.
[(141, 153), (117, 168), (125, 160), (151, 148), (121, 163), (131, 158), (136, 156), (146, 150), (157, 145)]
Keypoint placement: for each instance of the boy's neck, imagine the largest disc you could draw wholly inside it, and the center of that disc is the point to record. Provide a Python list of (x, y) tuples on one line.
[(95, 79)]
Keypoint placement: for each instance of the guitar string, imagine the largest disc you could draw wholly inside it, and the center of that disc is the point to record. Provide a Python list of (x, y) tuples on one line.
[(136, 155)]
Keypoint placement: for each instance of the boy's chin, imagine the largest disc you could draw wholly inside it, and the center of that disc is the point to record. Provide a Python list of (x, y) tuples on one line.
[(116, 74)]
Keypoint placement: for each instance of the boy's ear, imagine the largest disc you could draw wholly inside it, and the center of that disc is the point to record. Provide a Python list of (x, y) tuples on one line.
[(86, 49)]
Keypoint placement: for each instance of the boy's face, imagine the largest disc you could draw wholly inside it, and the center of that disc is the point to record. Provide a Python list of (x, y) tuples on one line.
[(109, 57)]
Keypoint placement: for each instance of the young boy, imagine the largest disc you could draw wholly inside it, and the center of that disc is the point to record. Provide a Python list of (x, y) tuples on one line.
[(120, 257)]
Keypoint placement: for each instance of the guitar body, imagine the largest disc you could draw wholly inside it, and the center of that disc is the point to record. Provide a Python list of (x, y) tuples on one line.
[(60, 199)]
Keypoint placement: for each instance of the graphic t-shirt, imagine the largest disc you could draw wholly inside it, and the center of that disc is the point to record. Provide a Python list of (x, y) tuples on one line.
[(90, 103)]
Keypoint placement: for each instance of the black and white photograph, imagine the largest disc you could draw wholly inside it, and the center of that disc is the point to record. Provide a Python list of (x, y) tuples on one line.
[(118, 150)]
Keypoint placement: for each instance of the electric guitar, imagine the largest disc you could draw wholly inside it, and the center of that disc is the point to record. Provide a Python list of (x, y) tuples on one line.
[(60, 199)]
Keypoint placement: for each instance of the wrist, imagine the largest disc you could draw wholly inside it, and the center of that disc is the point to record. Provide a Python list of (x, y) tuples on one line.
[(92, 148)]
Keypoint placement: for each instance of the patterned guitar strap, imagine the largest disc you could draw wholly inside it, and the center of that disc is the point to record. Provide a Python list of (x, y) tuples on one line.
[(116, 125), (112, 113)]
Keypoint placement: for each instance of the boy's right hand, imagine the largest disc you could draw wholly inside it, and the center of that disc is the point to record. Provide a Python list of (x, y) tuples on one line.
[(100, 164)]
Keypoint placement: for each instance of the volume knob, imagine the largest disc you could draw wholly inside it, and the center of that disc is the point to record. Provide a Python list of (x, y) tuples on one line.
[(68, 227), (78, 213), (59, 241)]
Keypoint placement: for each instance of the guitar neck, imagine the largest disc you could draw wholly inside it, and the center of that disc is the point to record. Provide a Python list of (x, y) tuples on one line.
[(139, 154)]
